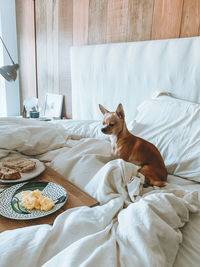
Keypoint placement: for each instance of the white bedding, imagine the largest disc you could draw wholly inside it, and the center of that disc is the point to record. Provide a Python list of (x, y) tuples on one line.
[(132, 225)]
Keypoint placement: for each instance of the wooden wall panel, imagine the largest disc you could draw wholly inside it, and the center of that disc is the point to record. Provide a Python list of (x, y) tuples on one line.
[(80, 22), (190, 25), (26, 48), (97, 21), (62, 23), (117, 20), (43, 58), (54, 38), (166, 19), (64, 44), (140, 20)]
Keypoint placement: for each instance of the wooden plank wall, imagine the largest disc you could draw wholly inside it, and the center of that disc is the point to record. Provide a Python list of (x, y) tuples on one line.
[(62, 23), (26, 48), (108, 21), (54, 38)]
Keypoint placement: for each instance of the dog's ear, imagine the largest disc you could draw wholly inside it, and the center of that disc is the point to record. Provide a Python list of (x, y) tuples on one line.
[(103, 110), (120, 111)]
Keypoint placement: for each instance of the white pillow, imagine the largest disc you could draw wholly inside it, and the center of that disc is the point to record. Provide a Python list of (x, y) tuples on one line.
[(173, 126)]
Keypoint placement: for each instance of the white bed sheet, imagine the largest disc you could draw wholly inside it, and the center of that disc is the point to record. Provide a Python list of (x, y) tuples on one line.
[(188, 254), (118, 232)]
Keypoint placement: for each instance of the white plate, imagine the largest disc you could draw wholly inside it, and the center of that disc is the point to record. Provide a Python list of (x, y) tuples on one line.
[(39, 168), (10, 200)]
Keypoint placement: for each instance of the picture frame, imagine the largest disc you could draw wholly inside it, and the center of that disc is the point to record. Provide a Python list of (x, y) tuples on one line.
[(53, 105)]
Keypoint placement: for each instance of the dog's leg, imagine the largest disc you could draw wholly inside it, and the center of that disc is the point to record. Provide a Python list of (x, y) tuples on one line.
[(152, 176)]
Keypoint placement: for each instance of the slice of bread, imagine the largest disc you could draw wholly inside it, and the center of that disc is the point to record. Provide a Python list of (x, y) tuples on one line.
[(20, 165), (9, 174)]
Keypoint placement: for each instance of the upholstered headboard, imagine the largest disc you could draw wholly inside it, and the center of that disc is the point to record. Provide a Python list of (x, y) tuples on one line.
[(129, 73)]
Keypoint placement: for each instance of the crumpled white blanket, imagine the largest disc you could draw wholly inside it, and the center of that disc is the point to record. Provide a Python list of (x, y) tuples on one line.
[(29, 137), (131, 227)]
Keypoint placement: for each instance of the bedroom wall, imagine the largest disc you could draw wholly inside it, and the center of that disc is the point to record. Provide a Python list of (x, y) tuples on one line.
[(26, 48), (62, 23), (54, 39), (108, 21)]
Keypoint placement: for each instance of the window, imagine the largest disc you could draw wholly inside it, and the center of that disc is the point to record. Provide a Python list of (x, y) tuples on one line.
[(9, 92)]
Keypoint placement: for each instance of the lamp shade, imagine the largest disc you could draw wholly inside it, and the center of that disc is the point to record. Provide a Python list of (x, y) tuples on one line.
[(9, 72)]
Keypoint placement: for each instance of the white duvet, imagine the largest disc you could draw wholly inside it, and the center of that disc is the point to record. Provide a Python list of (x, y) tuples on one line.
[(130, 227)]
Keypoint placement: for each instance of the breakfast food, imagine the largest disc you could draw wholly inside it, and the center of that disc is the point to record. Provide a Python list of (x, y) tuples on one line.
[(36, 200), (20, 165), (9, 174)]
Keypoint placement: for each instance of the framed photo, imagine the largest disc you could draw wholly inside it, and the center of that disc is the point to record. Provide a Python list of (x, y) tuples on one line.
[(53, 105)]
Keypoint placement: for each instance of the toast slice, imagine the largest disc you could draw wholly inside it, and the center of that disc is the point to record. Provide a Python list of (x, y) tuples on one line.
[(9, 174), (20, 165)]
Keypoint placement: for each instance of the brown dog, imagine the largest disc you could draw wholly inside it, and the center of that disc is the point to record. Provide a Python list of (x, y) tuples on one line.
[(134, 149)]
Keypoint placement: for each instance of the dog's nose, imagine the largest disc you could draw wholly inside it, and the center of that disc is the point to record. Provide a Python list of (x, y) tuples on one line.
[(103, 130)]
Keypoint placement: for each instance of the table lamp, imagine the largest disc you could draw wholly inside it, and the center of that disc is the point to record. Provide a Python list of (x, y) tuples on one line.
[(9, 72)]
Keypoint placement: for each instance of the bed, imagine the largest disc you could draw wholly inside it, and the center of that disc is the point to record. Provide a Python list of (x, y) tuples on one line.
[(158, 84)]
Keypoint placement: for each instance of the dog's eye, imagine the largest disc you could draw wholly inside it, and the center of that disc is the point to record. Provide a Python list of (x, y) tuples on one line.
[(111, 124)]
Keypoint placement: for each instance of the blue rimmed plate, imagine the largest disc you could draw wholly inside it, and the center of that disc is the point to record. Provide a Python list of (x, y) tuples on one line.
[(10, 200)]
